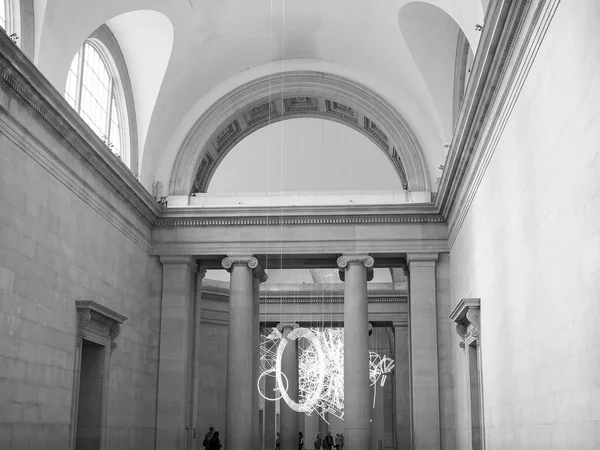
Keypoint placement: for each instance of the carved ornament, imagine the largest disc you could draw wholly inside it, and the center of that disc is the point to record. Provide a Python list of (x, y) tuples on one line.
[(366, 260), (97, 323), (466, 316), (229, 261)]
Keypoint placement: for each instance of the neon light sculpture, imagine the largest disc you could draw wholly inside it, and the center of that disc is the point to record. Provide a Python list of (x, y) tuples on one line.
[(320, 370)]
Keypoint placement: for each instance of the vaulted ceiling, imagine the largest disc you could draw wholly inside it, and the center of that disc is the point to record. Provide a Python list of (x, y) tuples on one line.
[(185, 55)]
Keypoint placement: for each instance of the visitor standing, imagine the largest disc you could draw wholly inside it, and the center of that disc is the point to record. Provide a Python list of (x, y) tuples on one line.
[(318, 441), (207, 437), (342, 441), (338, 441), (328, 441), (277, 442), (215, 442), (300, 441)]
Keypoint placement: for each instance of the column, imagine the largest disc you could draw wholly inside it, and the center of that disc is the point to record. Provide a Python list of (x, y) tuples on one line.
[(355, 271), (259, 276), (269, 413), (288, 418), (323, 427), (402, 386), (176, 324), (197, 436), (239, 377), (424, 352)]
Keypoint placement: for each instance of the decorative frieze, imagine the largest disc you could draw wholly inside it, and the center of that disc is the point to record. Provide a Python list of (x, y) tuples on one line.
[(304, 220)]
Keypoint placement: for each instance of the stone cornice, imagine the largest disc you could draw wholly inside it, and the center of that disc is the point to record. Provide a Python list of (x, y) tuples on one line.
[(512, 34), (23, 81)]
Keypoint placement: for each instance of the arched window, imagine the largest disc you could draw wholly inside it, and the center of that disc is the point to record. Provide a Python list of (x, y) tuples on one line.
[(95, 90), (3, 14)]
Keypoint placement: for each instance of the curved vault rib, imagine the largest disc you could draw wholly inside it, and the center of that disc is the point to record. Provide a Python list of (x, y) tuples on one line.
[(292, 95)]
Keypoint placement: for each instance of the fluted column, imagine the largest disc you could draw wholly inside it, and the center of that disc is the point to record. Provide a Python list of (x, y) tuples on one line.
[(424, 351), (259, 276), (239, 387), (288, 418), (174, 370), (355, 271)]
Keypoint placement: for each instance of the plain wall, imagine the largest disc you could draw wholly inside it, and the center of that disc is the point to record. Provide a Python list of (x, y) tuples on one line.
[(529, 249)]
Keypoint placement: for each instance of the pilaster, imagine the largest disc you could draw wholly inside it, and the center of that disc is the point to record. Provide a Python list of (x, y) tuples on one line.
[(424, 374), (176, 343)]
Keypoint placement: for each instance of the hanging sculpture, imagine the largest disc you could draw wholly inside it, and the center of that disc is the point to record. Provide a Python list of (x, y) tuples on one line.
[(320, 370)]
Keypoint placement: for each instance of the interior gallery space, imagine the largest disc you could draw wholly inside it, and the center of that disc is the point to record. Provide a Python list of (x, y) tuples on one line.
[(299, 224)]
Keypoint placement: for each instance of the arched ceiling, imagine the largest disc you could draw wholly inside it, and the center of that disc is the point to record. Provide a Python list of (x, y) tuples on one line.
[(219, 46)]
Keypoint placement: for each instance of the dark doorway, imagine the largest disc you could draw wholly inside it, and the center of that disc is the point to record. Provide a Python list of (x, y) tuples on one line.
[(91, 385)]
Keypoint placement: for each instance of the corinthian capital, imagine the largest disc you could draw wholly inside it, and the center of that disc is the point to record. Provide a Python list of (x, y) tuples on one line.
[(366, 260), (230, 261)]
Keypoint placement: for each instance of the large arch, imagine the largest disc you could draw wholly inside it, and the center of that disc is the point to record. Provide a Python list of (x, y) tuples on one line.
[(291, 95)]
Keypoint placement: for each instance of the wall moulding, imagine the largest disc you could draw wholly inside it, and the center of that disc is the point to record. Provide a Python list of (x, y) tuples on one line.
[(512, 35), (291, 95)]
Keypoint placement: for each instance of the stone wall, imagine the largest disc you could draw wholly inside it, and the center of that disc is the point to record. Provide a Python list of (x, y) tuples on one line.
[(57, 246), (529, 249)]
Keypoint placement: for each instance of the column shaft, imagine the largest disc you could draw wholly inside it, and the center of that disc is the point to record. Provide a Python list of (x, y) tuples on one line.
[(288, 422), (323, 427), (195, 436), (356, 357), (402, 380), (239, 412), (174, 380), (424, 353), (255, 357), (270, 413)]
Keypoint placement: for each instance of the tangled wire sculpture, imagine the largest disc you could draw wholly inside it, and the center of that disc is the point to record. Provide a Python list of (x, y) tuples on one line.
[(320, 370)]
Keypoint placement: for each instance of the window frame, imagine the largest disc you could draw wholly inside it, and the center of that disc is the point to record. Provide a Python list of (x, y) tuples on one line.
[(105, 44)]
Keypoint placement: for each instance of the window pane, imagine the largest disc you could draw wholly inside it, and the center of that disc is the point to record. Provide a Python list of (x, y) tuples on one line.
[(95, 91), (72, 80), (115, 129), (2, 14)]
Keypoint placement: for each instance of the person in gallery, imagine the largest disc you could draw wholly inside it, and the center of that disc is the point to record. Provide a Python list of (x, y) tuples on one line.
[(215, 442), (341, 441), (338, 441), (300, 440), (277, 441), (207, 437), (328, 441), (318, 441)]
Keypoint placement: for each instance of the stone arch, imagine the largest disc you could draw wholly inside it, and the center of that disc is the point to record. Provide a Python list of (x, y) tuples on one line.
[(293, 95)]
